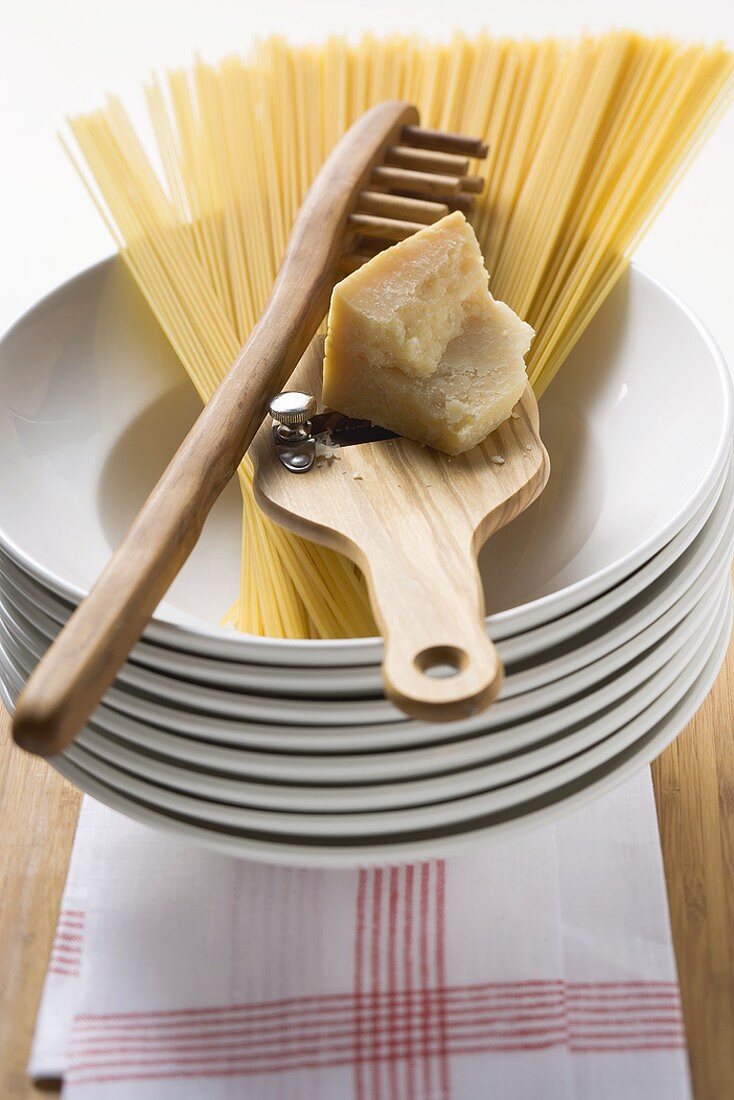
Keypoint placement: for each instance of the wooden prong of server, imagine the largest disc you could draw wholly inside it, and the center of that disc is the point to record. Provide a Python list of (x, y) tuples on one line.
[(427, 184), (352, 262), (424, 185), (390, 229), (463, 201), (365, 248), (387, 205), (440, 188), (422, 160), (473, 184), (370, 246), (440, 142)]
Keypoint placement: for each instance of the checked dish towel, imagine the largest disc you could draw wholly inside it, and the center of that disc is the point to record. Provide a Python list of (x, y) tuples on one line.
[(539, 966)]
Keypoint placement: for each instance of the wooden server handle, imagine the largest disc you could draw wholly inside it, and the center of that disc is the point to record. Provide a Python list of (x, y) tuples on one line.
[(72, 677), (440, 664)]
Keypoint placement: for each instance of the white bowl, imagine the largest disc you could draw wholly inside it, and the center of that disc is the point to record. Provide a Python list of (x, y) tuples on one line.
[(293, 851), (562, 673), (88, 422), (501, 730), (456, 813), (390, 808), (652, 675), (384, 767)]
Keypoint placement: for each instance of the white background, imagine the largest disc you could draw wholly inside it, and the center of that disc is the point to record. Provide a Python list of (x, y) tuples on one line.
[(61, 56)]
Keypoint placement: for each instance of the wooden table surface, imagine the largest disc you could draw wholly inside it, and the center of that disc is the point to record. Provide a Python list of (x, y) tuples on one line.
[(694, 787)]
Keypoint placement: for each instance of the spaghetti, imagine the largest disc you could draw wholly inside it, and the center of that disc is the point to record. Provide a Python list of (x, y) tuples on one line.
[(587, 138)]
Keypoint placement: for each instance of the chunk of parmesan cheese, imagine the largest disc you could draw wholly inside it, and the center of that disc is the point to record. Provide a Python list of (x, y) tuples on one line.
[(417, 344)]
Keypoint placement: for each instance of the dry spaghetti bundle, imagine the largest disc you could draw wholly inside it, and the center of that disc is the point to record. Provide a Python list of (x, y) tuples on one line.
[(586, 139)]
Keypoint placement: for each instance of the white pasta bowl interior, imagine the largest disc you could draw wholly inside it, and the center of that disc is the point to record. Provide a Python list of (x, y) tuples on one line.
[(93, 402)]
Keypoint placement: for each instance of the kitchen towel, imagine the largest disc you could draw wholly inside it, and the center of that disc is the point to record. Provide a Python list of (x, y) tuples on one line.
[(536, 966)]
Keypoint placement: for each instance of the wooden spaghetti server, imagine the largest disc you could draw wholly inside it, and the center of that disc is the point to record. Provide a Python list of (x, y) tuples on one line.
[(413, 520), (385, 180)]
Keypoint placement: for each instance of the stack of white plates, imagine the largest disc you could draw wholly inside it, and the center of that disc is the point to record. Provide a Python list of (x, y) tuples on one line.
[(610, 598)]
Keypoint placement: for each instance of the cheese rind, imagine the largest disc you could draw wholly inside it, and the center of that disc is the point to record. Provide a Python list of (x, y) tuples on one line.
[(416, 343)]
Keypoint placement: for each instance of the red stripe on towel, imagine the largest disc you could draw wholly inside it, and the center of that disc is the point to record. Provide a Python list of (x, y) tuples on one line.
[(407, 1003), (358, 964), (444, 1077), (494, 1024), (408, 976), (301, 1031), (525, 988), (393, 899), (425, 871), (90, 1073)]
